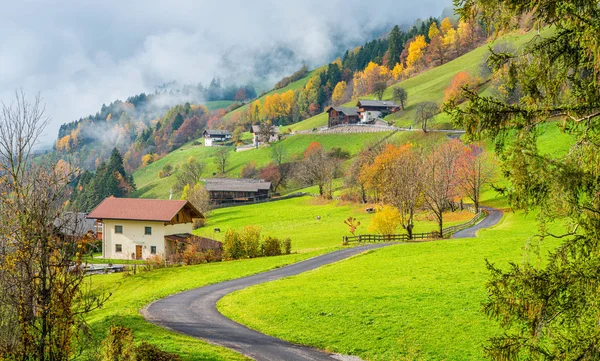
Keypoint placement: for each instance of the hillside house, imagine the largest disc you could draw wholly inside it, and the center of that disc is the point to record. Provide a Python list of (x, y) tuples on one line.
[(257, 139), (342, 115), (140, 228), (212, 136), (237, 190), (371, 110)]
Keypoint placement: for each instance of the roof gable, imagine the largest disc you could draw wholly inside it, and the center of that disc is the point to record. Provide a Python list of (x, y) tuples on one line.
[(159, 210)]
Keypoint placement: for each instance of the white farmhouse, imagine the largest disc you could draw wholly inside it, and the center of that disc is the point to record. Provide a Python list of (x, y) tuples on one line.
[(212, 136), (139, 228)]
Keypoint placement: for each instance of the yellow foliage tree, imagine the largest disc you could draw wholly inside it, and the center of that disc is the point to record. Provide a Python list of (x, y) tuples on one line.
[(451, 37), (64, 143), (364, 82), (149, 159), (398, 71), (255, 111), (386, 221), (433, 30), (446, 25), (339, 92), (416, 51)]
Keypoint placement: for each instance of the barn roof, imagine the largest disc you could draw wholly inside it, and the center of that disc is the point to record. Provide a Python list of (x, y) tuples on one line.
[(136, 209), (348, 111), (236, 185), (376, 103), (216, 132)]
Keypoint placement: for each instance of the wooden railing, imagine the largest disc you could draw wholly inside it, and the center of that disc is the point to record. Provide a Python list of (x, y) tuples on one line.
[(374, 238), (447, 232)]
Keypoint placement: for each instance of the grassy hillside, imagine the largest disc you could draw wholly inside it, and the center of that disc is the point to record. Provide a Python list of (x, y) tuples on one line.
[(427, 86), (218, 104), (149, 185), (422, 300)]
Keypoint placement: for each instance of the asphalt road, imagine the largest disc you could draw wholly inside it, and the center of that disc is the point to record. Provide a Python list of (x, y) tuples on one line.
[(194, 312), (494, 216)]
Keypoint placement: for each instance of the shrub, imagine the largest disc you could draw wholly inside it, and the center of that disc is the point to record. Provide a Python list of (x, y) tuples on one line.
[(192, 255), (385, 221), (339, 153), (148, 352), (198, 223), (250, 238), (287, 246), (155, 261), (166, 171), (271, 247), (232, 245), (118, 346)]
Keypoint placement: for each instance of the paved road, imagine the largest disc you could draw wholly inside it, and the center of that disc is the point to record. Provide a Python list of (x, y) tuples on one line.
[(494, 216), (194, 312)]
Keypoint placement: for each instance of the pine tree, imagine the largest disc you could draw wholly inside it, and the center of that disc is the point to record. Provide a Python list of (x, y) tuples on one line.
[(394, 47), (177, 121)]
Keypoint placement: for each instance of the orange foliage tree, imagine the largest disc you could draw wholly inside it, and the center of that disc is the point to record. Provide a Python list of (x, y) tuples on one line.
[(460, 80)]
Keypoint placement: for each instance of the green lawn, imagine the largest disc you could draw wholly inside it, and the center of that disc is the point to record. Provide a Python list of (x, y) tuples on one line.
[(218, 104), (130, 293), (297, 218), (420, 299)]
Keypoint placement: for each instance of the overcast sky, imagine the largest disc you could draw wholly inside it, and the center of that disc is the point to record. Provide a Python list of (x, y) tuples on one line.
[(80, 54)]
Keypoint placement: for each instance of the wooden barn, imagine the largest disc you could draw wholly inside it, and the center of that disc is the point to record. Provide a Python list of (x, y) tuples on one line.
[(342, 115), (237, 190)]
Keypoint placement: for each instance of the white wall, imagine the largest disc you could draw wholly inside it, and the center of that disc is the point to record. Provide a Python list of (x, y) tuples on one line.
[(208, 142), (133, 234)]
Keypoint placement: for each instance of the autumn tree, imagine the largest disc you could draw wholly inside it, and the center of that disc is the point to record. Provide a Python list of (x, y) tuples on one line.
[(45, 293), (266, 131), (400, 96), (461, 80), (386, 221), (365, 81), (318, 168), (416, 52), (249, 170), (222, 159), (475, 170), (440, 177), (339, 93), (425, 112), (236, 135), (197, 196), (365, 157), (548, 311)]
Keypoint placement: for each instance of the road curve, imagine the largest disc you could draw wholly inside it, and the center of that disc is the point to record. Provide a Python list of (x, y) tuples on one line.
[(194, 313), (493, 217)]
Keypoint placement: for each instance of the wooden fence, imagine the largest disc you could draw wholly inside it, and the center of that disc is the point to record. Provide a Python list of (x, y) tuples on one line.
[(447, 232)]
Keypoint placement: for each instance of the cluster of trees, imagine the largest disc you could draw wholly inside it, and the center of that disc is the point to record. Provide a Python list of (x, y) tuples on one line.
[(410, 178), (109, 179), (248, 243), (548, 310)]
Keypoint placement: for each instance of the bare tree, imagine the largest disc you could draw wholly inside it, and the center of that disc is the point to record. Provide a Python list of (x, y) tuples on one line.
[(440, 179), (318, 168), (279, 155), (266, 131), (425, 112), (222, 159), (189, 174), (43, 287), (476, 168)]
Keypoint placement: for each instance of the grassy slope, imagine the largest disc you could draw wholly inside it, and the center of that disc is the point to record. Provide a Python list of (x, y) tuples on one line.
[(131, 293), (218, 104), (427, 86), (424, 298), (297, 218), (149, 185)]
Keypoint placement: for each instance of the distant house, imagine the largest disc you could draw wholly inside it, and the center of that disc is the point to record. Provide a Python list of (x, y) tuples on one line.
[(371, 110), (215, 135), (140, 228), (257, 139), (342, 115), (232, 190), (77, 224)]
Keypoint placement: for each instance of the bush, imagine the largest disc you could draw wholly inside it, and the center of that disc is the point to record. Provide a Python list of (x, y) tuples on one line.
[(155, 261), (118, 346), (166, 171), (338, 153), (287, 246), (198, 223), (271, 247), (148, 352), (250, 238), (232, 245)]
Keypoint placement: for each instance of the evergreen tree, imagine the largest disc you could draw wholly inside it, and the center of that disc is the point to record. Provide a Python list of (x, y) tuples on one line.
[(177, 121), (394, 47)]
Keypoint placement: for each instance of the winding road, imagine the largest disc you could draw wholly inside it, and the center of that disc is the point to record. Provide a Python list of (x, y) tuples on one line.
[(194, 312), (493, 217)]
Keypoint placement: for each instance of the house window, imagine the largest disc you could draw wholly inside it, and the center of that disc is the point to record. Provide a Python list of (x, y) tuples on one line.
[(118, 248), (153, 249), (148, 231), (119, 229)]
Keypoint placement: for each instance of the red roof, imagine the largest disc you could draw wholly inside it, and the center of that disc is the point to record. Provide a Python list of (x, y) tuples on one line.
[(135, 209)]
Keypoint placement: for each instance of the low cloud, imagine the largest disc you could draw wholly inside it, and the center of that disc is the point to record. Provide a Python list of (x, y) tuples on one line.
[(80, 54)]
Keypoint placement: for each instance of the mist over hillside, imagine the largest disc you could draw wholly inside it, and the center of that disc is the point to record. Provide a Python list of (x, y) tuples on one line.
[(81, 55)]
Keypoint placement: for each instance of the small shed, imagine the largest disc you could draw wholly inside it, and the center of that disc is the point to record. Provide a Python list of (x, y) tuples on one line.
[(342, 115), (237, 190)]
